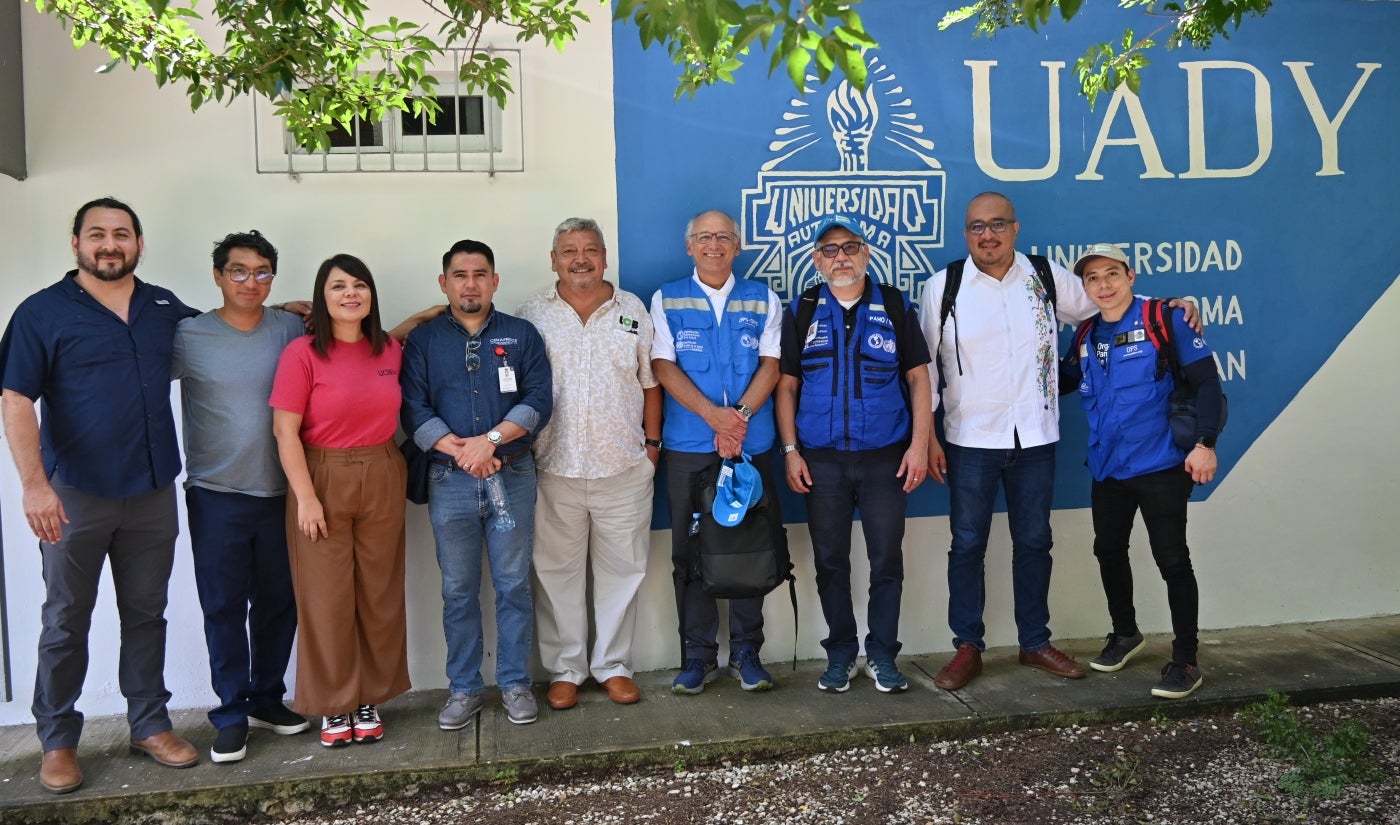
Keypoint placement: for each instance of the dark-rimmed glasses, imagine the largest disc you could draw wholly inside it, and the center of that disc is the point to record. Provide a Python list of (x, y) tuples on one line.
[(849, 247), (238, 274), (473, 360), (998, 226)]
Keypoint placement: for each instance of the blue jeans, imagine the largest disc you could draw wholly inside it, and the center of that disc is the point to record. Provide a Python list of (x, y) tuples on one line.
[(838, 488), (462, 519), (1027, 475), (245, 589)]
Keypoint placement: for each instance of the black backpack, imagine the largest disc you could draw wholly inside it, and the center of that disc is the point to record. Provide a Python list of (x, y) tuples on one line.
[(890, 294), (1039, 263), (953, 282), (739, 562)]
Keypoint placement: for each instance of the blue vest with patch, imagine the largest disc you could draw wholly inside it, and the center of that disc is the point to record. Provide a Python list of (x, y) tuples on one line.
[(1126, 403), (719, 358), (852, 394)]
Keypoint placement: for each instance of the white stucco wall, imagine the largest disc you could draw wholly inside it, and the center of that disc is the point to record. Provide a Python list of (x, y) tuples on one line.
[(1302, 529)]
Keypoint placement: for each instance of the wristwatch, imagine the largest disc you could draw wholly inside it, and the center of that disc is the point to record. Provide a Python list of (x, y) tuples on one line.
[(652, 442), (745, 410), (1207, 441), (494, 436), (788, 448)]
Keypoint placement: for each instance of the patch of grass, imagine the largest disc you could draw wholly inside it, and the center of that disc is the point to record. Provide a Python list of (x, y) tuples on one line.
[(1327, 762)]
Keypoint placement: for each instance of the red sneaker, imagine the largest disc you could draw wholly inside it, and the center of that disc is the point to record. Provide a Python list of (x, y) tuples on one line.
[(368, 726), (335, 730)]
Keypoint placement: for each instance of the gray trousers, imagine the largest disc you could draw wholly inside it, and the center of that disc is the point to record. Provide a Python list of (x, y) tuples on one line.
[(138, 535)]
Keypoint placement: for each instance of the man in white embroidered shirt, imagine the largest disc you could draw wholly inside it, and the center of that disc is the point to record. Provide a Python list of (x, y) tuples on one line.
[(596, 460), (996, 348)]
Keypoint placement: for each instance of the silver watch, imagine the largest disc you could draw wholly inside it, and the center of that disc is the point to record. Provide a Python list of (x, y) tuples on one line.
[(494, 436)]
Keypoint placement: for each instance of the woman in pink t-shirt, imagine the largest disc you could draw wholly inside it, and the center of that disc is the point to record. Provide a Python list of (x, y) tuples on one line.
[(335, 406)]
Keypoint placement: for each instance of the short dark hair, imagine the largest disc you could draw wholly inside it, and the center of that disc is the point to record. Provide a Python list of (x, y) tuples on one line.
[(105, 203), (252, 239), (321, 328), (470, 248)]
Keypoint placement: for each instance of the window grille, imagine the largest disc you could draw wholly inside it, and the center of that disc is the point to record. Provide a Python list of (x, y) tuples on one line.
[(471, 134)]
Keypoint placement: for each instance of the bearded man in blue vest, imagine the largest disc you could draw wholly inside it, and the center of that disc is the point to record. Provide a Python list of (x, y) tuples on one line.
[(1136, 463), (855, 412), (715, 353)]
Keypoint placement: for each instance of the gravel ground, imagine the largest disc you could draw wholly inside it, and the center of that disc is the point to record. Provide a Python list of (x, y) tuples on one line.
[(1207, 770)]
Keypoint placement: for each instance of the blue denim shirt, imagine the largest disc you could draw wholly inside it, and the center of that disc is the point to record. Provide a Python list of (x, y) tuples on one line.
[(441, 396), (103, 385)]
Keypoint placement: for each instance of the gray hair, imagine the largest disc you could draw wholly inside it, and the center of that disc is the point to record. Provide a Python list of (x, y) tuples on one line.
[(690, 224), (579, 225)]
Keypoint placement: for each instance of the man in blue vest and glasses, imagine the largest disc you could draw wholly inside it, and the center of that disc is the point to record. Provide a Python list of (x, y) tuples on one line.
[(855, 413), (716, 354)]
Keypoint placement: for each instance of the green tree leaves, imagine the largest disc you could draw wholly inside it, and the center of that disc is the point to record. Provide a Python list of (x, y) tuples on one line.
[(324, 66)]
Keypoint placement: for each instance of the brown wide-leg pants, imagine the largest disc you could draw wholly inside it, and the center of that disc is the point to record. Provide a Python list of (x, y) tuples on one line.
[(352, 641)]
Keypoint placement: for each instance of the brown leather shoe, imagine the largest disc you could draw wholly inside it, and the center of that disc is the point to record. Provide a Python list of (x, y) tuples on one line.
[(965, 666), (1053, 661), (168, 748), (562, 695), (59, 772), (622, 690)]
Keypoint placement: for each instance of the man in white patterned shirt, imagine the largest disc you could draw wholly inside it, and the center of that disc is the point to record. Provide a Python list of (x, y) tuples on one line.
[(595, 460)]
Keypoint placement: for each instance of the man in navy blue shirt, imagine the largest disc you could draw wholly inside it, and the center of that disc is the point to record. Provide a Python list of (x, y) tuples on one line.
[(95, 351), (477, 389)]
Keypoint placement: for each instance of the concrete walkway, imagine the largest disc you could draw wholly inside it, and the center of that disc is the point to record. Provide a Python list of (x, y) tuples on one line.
[(284, 774)]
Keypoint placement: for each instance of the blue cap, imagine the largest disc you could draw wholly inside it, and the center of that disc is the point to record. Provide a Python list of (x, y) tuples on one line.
[(844, 221), (738, 488)]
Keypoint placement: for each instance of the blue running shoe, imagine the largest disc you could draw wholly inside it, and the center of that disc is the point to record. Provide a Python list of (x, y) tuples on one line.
[(694, 676), (837, 678), (886, 674), (745, 666)]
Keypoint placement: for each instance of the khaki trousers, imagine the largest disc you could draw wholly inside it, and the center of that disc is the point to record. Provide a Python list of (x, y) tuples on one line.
[(352, 644)]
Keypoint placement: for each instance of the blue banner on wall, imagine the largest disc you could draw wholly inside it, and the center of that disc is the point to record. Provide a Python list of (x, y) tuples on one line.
[(1256, 178)]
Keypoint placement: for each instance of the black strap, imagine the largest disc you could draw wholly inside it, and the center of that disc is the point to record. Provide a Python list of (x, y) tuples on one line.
[(890, 295), (953, 281)]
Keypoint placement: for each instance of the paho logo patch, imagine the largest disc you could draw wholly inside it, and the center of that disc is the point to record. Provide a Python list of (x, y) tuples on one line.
[(879, 341)]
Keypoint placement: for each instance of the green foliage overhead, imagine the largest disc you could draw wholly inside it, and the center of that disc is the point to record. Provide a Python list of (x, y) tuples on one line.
[(323, 65)]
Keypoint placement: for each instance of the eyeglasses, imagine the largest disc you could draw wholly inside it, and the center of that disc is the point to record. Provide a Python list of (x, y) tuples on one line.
[(238, 274), (998, 226), (473, 360), (849, 247), (722, 238)]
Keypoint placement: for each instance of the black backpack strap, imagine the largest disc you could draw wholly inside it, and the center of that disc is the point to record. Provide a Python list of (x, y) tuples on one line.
[(893, 299), (806, 308), (1041, 265), (951, 283)]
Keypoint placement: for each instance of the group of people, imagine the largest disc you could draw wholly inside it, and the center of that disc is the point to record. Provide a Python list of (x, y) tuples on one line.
[(538, 435)]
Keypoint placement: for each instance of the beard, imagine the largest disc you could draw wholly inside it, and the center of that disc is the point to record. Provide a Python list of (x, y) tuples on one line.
[(470, 306), (840, 281), (108, 270)]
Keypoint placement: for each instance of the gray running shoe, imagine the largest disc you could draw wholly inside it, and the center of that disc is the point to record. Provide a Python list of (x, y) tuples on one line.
[(520, 704), (459, 711), (1117, 650)]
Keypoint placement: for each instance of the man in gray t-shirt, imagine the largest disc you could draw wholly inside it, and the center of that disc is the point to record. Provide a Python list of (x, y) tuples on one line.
[(236, 494)]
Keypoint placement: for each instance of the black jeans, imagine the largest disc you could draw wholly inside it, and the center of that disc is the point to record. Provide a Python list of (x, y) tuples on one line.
[(1162, 497)]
